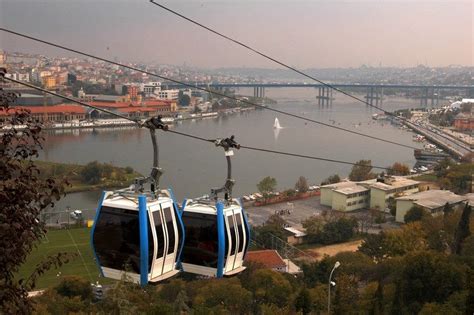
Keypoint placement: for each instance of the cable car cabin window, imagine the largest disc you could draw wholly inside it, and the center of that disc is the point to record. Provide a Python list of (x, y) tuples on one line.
[(240, 229), (200, 247), (160, 238), (117, 239), (170, 228), (233, 239)]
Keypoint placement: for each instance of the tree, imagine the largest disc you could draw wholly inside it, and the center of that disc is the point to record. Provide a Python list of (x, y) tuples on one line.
[(303, 301), (338, 231), (416, 213), (270, 287), (346, 296), (216, 293), (462, 230), (267, 185), (331, 180), (361, 171), (302, 184), (313, 226), (442, 167), (92, 173), (374, 246), (183, 99), (398, 169), (23, 195), (428, 277)]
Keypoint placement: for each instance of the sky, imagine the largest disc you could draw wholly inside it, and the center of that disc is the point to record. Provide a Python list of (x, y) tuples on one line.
[(305, 34)]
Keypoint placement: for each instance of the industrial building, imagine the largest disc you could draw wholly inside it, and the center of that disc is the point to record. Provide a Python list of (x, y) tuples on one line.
[(432, 201)]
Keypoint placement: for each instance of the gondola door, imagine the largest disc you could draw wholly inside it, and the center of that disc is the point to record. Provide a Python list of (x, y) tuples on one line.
[(242, 244), (233, 238), (171, 231), (159, 240)]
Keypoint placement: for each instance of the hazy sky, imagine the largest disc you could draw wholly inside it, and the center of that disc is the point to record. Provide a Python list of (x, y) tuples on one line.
[(302, 33)]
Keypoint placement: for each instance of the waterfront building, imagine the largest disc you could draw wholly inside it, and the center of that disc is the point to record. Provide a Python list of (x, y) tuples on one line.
[(390, 186), (150, 89), (56, 113), (432, 201), (345, 196), (168, 94), (373, 193)]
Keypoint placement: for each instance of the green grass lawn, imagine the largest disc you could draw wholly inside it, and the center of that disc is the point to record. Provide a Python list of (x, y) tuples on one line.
[(75, 240)]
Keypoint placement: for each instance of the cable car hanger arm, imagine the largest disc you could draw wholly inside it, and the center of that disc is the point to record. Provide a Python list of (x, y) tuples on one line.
[(227, 144)]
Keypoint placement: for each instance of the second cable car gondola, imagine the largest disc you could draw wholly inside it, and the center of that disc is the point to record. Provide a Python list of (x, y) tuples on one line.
[(138, 231), (217, 231)]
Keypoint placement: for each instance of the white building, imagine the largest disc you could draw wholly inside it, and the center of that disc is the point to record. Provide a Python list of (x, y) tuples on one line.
[(168, 94), (374, 193), (150, 88), (345, 196)]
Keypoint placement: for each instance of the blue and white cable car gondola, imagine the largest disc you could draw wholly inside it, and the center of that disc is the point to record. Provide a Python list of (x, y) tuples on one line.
[(138, 231), (217, 232)]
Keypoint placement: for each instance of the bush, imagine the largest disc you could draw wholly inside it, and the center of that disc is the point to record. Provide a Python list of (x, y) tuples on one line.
[(338, 231), (72, 286), (92, 173), (416, 213)]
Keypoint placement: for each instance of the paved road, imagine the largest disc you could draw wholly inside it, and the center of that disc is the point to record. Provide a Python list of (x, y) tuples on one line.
[(443, 139)]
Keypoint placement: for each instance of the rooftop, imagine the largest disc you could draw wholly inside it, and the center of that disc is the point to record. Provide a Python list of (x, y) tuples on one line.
[(351, 189), (55, 109), (433, 199), (295, 232), (394, 182), (268, 257)]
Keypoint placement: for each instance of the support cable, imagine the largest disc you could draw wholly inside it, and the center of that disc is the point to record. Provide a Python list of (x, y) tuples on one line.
[(246, 46), (213, 141), (207, 90)]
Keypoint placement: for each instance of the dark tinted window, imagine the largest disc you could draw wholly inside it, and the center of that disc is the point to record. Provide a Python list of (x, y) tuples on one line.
[(160, 238), (233, 237), (117, 239), (240, 230), (200, 247), (170, 227)]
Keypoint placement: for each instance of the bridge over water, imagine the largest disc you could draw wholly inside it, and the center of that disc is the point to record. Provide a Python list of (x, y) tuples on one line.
[(374, 92)]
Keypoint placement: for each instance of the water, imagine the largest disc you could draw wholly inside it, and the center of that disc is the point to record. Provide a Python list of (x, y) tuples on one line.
[(193, 167)]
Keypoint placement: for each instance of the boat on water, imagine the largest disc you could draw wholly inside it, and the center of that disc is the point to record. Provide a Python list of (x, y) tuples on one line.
[(379, 117), (167, 120), (276, 124)]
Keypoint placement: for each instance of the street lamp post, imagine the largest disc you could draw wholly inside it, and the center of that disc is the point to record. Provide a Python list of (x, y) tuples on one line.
[(336, 265)]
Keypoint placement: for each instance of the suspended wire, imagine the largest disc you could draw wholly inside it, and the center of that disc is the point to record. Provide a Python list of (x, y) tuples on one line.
[(206, 90), (138, 122), (308, 157), (269, 58)]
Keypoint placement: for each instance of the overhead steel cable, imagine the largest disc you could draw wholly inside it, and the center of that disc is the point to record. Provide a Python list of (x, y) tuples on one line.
[(186, 134), (206, 90), (269, 57)]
